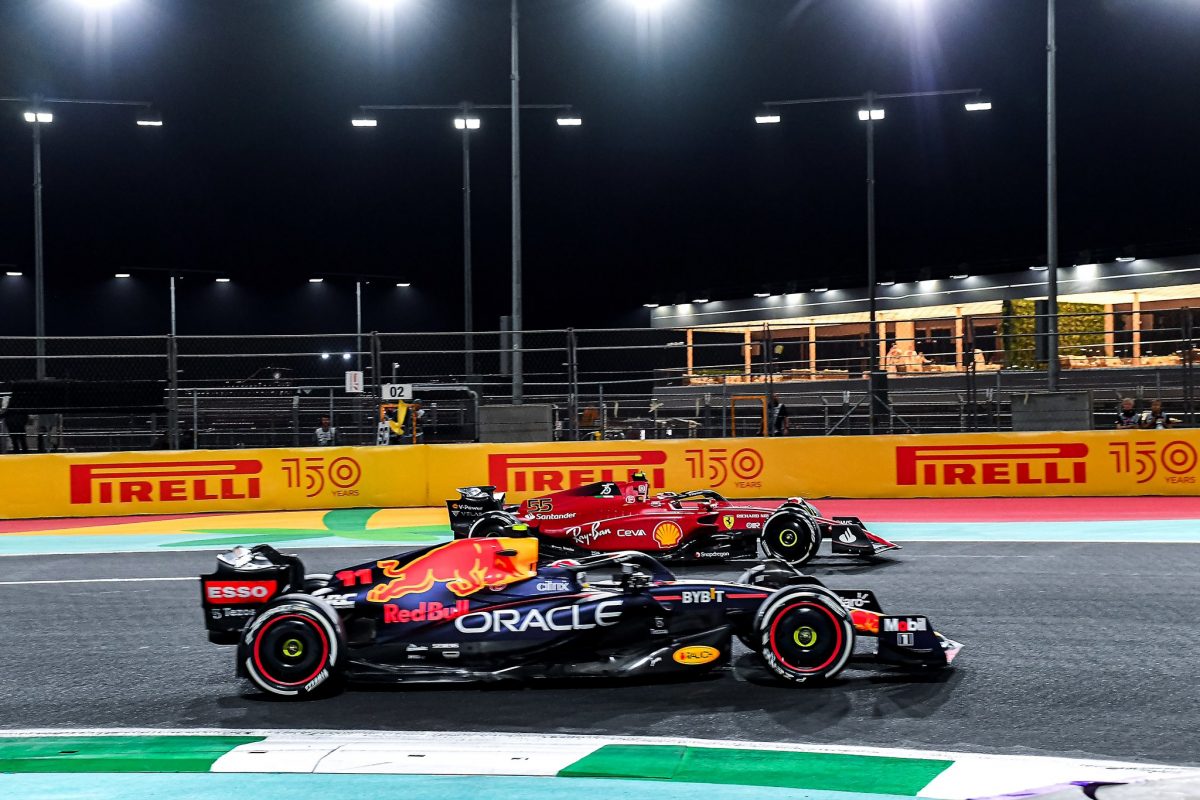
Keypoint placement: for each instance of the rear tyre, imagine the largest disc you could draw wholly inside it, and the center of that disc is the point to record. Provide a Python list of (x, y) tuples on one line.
[(493, 525), (804, 634), (295, 648), (791, 537)]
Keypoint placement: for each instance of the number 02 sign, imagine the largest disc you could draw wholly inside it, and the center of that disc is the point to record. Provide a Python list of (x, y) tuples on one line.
[(397, 391)]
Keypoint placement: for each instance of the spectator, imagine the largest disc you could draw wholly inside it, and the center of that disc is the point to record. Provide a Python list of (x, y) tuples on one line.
[(326, 434), (1155, 419), (779, 416), (1127, 418), (16, 421)]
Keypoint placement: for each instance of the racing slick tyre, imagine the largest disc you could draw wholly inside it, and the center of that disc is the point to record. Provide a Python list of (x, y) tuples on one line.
[(496, 523), (294, 648), (804, 634), (792, 537)]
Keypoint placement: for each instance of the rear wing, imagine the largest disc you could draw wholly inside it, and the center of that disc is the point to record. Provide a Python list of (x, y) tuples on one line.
[(472, 503), (246, 579)]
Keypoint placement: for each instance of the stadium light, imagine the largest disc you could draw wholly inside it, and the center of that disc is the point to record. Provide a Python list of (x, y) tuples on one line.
[(767, 117), (821, 290), (650, 305), (1126, 259), (345, 356), (39, 116), (978, 104), (874, 114), (316, 280), (466, 123), (324, 356), (403, 285), (569, 119), (364, 122), (13, 274), (762, 294), (1042, 268), (960, 277), (121, 275), (222, 280), (700, 300), (149, 118)]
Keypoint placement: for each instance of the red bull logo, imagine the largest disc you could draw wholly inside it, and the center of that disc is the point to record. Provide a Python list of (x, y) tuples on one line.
[(991, 464), (165, 481), (553, 472), (425, 612), (465, 567)]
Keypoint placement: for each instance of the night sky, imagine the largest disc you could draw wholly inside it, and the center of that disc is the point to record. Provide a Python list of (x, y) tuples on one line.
[(668, 192)]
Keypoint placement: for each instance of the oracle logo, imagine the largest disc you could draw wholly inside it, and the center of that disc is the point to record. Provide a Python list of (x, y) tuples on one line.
[(239, 591)]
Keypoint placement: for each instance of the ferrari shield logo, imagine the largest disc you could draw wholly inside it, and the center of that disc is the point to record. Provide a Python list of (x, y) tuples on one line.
[(728, 521)]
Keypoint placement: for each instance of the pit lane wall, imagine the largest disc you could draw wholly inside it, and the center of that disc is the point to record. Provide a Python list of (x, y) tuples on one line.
[(953, 465)]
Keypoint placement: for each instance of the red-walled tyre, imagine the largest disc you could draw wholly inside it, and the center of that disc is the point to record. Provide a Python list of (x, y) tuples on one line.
[(804, 634), (294, 648)]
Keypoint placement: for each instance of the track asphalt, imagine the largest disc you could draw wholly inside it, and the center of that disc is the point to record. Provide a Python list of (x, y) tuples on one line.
[(1073, 649)]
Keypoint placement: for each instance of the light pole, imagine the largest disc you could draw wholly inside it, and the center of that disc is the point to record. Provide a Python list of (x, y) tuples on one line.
[(870, 114), (467, 121), (518, 373), (1051, 201), (37, 115)]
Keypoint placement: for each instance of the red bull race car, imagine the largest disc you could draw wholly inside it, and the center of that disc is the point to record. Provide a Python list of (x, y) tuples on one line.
[(483, 610), (700, 525)]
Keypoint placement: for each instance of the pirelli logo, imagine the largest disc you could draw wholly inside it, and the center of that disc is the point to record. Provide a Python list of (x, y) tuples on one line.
[(550, 472), (991, 464), (166, 481)]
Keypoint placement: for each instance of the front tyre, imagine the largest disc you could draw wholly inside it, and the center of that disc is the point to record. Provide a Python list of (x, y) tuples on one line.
[(804, 634), (295, 648), (791, 537)]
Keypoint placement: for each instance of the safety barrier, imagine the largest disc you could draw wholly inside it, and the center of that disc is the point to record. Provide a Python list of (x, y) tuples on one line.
[(1144, 462)]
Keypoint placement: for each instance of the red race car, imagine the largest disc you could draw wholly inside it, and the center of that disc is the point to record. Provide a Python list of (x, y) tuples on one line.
[(691, 526)]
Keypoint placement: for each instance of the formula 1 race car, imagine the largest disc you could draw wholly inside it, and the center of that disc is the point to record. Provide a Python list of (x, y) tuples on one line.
[(482, 610), (692, 526)]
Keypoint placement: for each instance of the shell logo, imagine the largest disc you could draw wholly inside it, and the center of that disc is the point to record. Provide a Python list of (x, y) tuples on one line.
[(696, 655), (668, 534)]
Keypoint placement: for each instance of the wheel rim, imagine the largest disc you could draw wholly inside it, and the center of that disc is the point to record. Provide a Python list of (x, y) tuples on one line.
[(788, 538), (806, 637), (291, 650)]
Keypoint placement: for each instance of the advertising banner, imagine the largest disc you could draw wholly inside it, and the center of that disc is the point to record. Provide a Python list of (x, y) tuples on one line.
[(115, 484), (953, 465)]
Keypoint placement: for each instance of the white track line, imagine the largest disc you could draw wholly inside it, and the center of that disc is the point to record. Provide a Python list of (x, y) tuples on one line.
[(96, 580)]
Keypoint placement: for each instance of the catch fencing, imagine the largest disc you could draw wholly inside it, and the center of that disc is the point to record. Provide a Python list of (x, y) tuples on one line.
[(938, 375)]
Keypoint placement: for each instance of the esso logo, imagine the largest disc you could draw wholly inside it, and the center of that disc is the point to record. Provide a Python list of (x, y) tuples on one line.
[(239, 591)]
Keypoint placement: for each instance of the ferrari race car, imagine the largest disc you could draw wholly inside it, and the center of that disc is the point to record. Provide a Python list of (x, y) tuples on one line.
[(692, 526), (483, 610)]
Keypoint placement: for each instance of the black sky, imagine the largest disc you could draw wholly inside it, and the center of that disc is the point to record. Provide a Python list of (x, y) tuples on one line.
[(669, 189)]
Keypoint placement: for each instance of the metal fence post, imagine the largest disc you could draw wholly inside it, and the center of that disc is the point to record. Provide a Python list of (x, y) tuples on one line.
[(573, 381), (172, 392), (377, 380), (1187, 364)]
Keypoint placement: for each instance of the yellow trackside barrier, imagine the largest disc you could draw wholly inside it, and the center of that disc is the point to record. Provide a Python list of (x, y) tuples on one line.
[(952, 465), (109, 484)]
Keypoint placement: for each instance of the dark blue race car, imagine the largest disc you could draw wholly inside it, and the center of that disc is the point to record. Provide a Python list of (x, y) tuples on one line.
[(482, 609)]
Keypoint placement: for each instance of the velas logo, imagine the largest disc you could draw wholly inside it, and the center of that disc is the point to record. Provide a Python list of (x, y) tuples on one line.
[(991, 464), (552, 472), (166, 481)]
